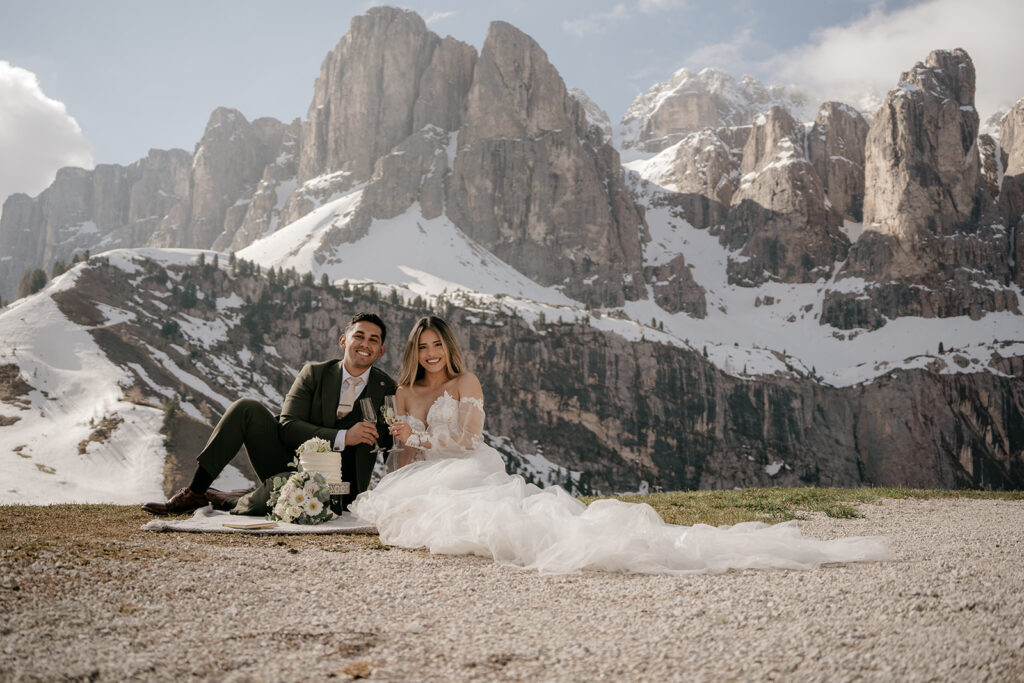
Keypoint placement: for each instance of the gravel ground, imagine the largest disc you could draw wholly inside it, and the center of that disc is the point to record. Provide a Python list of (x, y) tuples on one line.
[(950, 607)]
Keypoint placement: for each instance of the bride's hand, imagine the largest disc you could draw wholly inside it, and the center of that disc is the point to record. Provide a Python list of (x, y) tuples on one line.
[(401, 430)]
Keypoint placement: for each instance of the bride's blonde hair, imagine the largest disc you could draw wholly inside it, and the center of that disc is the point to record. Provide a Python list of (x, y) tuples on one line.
[(411, 369)]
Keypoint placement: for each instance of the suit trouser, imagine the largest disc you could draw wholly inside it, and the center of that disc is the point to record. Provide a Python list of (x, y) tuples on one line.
[(246, 423)]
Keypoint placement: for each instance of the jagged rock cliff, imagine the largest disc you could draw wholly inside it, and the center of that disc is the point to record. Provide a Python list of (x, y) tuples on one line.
[(933, 244), (535, 185), (1011, 139), (387, 78), (835, 145), (777, 216), (170, 199), (689, 102)]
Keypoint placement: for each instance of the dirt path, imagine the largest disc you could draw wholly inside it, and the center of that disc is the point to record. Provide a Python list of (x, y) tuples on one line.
[(168, 606)]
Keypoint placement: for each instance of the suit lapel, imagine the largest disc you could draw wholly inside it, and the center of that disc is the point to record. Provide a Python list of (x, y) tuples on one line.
[(330, 393)]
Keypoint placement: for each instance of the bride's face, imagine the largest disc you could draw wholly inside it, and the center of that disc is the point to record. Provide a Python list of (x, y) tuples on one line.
[(432, 356)]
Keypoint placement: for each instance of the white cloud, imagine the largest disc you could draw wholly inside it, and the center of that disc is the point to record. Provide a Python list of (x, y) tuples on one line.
[(651, 6), (596, 23), (728, 55), (438, 16), (861, 61), (37, 136)]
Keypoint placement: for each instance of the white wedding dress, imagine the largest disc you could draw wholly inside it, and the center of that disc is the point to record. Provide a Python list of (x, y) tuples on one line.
[(459, 500)]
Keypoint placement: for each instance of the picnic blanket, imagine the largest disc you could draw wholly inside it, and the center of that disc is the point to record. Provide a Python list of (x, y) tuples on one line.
[(208, 520)]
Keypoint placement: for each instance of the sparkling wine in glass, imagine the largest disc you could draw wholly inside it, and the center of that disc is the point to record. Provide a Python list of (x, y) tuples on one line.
[(370, 415), (390, 414)]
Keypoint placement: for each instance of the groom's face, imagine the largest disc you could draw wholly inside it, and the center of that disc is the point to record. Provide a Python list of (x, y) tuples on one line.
[(362, 345)]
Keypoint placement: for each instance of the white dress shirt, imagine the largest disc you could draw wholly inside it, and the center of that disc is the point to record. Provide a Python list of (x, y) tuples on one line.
[(339, 440)]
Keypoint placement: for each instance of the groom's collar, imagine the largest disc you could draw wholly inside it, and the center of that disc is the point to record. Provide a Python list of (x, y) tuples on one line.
[(363, 378)]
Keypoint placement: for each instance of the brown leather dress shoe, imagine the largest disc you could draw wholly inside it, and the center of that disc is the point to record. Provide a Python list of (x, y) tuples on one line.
[(185, 500), (225, 500)]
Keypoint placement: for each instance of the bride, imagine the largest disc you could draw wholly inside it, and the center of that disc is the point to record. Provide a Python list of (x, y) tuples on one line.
[(448, 492)]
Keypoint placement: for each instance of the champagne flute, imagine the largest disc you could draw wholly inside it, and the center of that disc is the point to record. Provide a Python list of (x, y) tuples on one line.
[(390, 414), (370, 415)]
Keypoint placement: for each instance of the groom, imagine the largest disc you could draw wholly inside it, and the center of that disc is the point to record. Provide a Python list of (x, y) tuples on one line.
[(322, 402)]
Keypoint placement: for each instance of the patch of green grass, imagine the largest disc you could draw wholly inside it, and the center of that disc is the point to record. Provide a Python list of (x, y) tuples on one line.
[(773, 505)]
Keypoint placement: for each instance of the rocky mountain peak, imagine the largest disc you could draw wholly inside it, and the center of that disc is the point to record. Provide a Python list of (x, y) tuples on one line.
[(364, 98), (227, 164), (1011, 197), (531, 184), (690, 101), (595, 115), (1011, 139), (835, 145), (775, 137), (922, 165), (516, 91), (934, 242), (777, 216)]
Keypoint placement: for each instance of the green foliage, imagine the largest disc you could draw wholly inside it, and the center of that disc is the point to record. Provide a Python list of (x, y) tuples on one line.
[(307, 279), (155, 272), (781, 504), (31, 281), (59, 268), (170, 329), (305, 298), (189, 296)]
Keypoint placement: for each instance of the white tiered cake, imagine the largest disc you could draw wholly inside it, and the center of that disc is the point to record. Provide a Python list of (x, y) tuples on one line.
[(329, 465)]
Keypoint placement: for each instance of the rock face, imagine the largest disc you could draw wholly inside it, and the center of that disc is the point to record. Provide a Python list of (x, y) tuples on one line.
[(532, 184), (703, 171), (934, 244), (922, 164), (228, 163), (388, 77), (689, 102), (777, 215), (1011, 138), (83, 210), (169, 199), (835, 145), (595, 115), (265, 211)]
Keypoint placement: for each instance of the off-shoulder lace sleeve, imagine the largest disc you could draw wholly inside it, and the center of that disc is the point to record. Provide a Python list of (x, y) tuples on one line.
[(457, 429)]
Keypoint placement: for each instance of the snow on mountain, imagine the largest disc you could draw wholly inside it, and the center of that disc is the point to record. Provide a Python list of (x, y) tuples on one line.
[(689, 102), (424, 257), (47, 450), (69, 432), (748, 332)]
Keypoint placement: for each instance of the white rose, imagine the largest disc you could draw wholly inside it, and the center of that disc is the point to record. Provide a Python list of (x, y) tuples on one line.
[(311, 488), (294, 512)]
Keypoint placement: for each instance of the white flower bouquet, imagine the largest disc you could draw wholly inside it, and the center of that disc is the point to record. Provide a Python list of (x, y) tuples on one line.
[(302, 498)]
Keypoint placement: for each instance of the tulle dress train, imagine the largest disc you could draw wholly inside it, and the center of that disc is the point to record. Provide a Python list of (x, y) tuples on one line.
[(458, 500)]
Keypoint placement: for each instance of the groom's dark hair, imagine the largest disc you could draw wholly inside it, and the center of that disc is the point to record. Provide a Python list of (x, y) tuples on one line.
[(370, 318)]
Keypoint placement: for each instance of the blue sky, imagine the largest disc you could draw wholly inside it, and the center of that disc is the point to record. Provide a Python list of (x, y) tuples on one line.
[(137, 75)]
